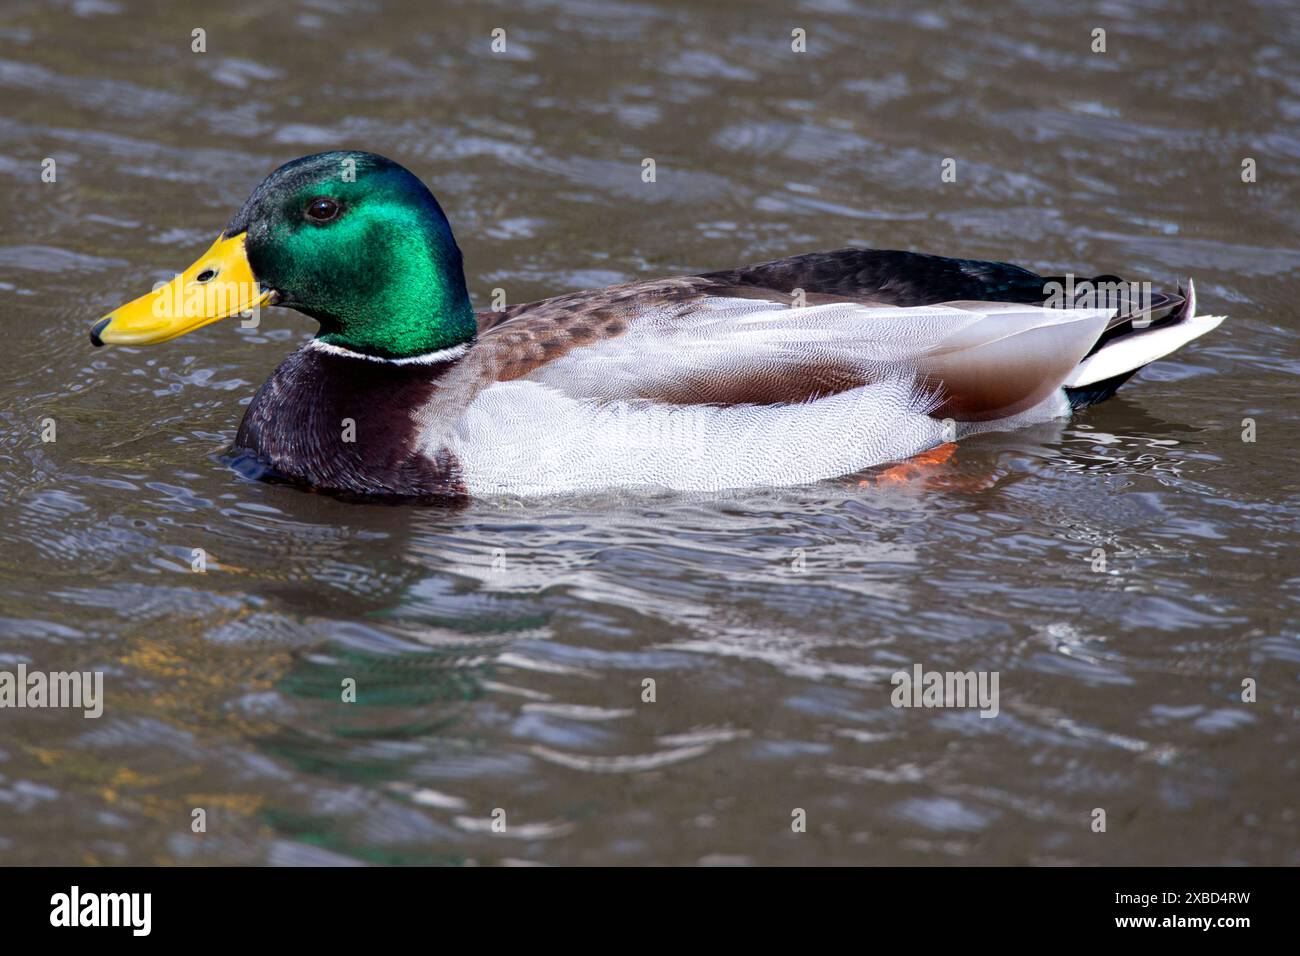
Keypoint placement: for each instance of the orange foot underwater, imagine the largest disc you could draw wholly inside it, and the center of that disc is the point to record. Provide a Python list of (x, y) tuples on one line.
[(918, 466), (934, 468)]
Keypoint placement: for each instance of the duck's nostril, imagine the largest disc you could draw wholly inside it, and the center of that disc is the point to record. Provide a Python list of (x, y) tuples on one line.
[(207, 275), (98, 327)]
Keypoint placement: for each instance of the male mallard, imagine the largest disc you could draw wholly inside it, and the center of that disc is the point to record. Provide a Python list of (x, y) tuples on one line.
[(789, 371)]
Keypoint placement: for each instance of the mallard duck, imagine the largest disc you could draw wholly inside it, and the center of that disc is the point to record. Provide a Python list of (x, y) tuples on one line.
[(790, 371)]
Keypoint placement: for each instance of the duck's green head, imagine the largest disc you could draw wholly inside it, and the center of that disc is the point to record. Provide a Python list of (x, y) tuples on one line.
[(352, 239)]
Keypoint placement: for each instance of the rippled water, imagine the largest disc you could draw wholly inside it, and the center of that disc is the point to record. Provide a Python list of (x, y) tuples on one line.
[(500, 651)]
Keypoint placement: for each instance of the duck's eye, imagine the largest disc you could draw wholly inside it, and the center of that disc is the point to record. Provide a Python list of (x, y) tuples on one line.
[(322, 210)]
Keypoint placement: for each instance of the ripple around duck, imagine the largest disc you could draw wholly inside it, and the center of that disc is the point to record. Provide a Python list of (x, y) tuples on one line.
[(656, 679)]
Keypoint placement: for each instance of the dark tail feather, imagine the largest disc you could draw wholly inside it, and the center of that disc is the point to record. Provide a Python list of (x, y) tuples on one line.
[(1134, 340), (1163, 308), (1097, 391)]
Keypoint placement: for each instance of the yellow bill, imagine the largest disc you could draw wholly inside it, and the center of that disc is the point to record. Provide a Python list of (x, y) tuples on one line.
[(218, 285)]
